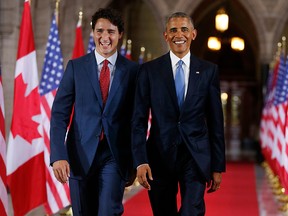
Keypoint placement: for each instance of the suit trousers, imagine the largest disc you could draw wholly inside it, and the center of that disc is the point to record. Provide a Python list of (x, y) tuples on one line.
[(101, 192), (165, 185)]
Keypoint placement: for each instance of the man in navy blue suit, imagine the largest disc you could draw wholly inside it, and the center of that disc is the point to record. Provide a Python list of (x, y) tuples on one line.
[(97, 90), (186, 146)]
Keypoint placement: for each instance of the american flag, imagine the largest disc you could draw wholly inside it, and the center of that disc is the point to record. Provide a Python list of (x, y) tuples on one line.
[(123, 48), (285, 145), (280, 152), (91, 43), (129, 50), (274, 128), (141, 56), (267, 125), (3, 182), (278, 115), (58, 195)]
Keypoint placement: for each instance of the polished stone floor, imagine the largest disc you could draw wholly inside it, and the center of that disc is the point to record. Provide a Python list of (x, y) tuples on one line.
[(270, 197)]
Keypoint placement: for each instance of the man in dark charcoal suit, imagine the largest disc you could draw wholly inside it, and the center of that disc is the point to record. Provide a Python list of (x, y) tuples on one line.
[(186, 143)]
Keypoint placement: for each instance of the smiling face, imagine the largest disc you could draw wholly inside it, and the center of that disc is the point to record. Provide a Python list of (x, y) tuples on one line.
[(106, 37), (179, 34)]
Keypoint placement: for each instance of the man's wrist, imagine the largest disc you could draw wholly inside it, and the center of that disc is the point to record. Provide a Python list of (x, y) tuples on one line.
[(141, 165)]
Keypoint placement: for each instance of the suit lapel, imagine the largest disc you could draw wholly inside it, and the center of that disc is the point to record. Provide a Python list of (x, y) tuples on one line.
[(167, 73), (194, 75), (119, 75), (92, 71)]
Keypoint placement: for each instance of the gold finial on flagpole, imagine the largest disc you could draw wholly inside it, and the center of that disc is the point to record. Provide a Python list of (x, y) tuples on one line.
[(279, 45), (284, 45), (57, 11), (129, 44), (80, 16)]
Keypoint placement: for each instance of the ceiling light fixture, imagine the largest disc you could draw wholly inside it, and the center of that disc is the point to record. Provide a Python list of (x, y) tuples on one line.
[(221, 24), (221, 20), (214, 43)]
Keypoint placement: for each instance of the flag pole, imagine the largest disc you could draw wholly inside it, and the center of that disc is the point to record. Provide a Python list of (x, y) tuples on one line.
[(284, 45), (283, 197), (53, 61), (80, 16), (57, 11), (78, 44)]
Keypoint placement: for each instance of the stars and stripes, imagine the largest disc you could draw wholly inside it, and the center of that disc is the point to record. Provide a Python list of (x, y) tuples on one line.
[(278, 111), (273, 127), (129, 50), (123, 48), (53, 63), (58, 195), (91, 43), (142, 55), (267, 124), (280, 116)]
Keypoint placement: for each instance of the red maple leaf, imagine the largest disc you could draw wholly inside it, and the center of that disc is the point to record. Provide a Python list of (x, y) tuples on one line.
[(25, 107)]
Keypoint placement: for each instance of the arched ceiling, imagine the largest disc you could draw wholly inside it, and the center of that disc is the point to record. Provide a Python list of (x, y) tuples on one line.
[(232, 64)]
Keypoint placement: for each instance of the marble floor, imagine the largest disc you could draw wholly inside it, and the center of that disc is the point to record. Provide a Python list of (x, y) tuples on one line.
[(270, 197)]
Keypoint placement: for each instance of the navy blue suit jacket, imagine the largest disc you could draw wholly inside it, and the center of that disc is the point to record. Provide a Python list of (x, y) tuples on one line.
[(198, 123), (79, 90)]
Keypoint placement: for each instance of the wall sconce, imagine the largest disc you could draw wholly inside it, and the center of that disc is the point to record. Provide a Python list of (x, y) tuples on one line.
[(214, 43), (237, 43), (221, 20)]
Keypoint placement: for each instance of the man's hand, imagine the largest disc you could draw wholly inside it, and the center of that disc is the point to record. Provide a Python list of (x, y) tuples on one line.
[(142, 172), (214, 184), (61, 170)]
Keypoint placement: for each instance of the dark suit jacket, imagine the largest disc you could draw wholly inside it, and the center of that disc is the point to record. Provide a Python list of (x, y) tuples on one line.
[(199, 122), (79, 88)]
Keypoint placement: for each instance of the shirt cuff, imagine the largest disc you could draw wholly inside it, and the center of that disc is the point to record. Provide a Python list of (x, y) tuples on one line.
[(142, 165)]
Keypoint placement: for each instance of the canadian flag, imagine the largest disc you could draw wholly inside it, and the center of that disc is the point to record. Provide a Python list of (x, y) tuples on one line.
[(25, 157), (78, 50), (3, 178)]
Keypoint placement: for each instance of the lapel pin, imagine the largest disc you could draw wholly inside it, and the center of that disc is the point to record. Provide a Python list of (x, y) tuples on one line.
[(197, 72)]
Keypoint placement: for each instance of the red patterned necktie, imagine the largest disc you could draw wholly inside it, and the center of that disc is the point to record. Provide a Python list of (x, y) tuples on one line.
[(104, 81), (104, 86)]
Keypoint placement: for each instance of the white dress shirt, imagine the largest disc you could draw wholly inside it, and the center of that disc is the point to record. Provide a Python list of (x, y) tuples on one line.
[(186, 67)]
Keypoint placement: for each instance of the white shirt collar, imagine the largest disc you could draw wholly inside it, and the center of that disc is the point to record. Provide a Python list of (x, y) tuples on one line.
[(112, 59), (175, 59)]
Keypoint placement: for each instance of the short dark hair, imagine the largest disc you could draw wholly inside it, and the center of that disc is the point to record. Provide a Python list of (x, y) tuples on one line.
[(180, 14), (112, 15)]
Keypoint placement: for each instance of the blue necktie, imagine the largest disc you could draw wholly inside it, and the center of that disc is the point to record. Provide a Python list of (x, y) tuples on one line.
[(180, 82)]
